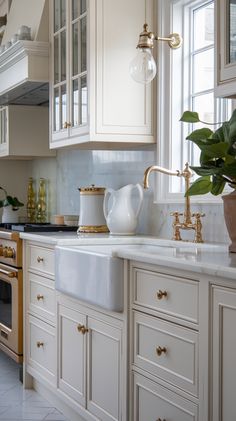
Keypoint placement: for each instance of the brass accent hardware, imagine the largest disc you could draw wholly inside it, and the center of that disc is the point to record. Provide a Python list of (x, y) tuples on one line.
[(147, 38), (92, 190), (161, 350), (40, 297), (187, 223), (66, 125), (9, 273), (8, 252), (93, 228), (82, 329), (159, 419), (39, 344), (161, 294), (39, 259)]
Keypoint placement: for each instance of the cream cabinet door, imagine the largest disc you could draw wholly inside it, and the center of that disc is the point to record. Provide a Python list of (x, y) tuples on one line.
[(72, 354), (223, 354), (104, 371)]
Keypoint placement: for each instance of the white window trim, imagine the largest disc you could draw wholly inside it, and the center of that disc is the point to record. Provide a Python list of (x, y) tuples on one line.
[(164, 94)]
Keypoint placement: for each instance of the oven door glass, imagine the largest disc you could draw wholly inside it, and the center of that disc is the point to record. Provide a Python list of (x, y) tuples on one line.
[(6, 304)]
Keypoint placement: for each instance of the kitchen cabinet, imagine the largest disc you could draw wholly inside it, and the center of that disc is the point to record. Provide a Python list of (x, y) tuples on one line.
[(225, 51), (40, 313), (24, 132), (165, 345), (90, 360), (223, 353), (94, 103)]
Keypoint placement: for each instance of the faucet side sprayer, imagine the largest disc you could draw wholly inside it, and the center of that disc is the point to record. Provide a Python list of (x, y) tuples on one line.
[(187, 222)]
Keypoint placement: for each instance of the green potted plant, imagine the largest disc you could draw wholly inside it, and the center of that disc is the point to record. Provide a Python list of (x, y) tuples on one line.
[(10, 205), (217, 165)]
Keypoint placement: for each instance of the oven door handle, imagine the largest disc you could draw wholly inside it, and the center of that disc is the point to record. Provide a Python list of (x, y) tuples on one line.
[(8, 273)]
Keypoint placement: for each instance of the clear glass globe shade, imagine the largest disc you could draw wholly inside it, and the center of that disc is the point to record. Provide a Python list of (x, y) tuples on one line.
[(143, 67)]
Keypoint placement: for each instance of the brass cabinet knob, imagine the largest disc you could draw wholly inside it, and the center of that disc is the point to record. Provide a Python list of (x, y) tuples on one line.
[(8, 252), (40, 297), (161, 294), (39, 344), (66, 125), (82, 329), (161, 350), (39, 259)]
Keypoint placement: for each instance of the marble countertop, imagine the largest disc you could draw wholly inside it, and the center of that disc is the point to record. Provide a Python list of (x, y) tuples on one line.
[(207, 258)]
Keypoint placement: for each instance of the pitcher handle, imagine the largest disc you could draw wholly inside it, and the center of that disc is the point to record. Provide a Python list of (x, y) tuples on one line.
[(140, 190), (108, 193)]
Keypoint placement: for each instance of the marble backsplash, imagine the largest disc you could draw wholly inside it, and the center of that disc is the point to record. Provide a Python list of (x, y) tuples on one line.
[(73, 169)]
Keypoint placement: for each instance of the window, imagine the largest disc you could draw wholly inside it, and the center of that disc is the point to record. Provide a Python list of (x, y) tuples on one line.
[(188, 75)]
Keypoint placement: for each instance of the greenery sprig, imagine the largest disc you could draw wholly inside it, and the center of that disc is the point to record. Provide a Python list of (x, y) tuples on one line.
[(10, 201)]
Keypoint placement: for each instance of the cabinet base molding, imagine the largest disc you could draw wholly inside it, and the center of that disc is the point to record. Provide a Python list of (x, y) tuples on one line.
[(52, 397)]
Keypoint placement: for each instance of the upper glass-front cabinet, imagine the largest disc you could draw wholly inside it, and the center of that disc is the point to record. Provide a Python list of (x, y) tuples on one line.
[(225, 85), (69, 85)]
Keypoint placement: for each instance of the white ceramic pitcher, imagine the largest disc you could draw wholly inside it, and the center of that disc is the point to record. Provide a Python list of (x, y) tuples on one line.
[(122, 218)]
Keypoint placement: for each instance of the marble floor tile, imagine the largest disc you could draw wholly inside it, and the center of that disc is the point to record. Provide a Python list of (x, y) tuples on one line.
[(18, 404)]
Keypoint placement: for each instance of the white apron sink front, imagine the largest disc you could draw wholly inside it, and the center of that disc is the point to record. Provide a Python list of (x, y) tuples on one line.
[(90, 274)]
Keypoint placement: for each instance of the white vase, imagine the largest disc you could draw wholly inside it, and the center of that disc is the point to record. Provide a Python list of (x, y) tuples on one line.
[(9, 215)]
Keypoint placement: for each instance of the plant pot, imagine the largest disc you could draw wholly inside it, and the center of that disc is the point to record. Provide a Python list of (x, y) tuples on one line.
[(230, 218), (9, 215)]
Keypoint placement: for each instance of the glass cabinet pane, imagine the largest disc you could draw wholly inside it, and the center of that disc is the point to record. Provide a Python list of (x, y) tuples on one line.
[(3, 125), (56, 59), (83, 6), (83, 43), (63, 55), (59, 14), (75, 46), (56, 123), (63, 13), (232, 31), (75, 104), (75, 9), (84, 100), (63, 106)]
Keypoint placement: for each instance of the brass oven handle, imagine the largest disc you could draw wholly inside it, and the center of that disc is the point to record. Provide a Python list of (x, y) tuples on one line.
[(82, 329), (8, 273), (160, 350), (161, 294), (39, 259), (40, 297), (39, 344)]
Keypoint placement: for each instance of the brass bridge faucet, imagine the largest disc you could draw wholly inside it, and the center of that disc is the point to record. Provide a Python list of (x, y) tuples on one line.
[(187, 222)]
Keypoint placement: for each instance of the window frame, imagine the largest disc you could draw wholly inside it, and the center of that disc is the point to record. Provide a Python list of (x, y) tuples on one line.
[(165, 93)]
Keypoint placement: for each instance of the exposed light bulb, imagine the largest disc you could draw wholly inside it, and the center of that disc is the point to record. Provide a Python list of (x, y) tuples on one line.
[(143, 67)]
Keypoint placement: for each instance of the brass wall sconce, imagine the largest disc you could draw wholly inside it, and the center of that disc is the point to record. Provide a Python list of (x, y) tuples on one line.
[(143, 66)]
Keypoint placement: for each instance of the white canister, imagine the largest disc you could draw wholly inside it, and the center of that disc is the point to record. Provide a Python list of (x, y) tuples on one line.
[(92, 218)]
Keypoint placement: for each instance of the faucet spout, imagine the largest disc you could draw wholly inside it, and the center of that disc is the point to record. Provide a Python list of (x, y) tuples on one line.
[(158, 169)]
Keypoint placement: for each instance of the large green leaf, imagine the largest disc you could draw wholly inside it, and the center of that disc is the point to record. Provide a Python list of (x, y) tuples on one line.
[(217, 150), (229, 170), (218, 185), (202, 185), (203, 171), (190, 117), (200, 134)]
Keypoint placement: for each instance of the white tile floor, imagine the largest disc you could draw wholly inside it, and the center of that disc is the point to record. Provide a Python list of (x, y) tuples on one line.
[(19, 404)]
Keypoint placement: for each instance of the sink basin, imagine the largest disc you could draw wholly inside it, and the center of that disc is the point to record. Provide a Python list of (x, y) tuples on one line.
[(91, 274)]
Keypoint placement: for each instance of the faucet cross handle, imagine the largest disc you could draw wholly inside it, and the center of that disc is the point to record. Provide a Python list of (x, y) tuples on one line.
[(198, 227), (176, 215), (176, 226)]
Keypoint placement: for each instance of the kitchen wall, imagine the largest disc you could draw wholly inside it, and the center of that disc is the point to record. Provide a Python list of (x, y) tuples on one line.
[(74, 168)]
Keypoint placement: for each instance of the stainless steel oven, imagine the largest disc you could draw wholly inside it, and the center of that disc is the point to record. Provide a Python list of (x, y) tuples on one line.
[(11, 295)]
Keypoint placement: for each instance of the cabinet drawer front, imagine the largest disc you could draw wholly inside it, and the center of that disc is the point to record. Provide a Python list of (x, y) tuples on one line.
[(153, 402), (41, 349), (165, 293), (42, 297), (167, 351), (42, 260)]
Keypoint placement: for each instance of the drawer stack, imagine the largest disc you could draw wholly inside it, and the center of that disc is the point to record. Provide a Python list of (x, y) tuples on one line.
[(164, 351), (41, 312)]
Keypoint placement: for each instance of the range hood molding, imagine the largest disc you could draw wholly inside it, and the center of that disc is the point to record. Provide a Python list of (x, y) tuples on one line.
[(24, 68)]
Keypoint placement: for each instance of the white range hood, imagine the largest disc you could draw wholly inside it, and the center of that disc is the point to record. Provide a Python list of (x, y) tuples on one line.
[(24, 67)]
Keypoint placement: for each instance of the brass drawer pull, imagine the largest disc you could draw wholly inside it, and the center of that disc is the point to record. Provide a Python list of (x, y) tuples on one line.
[(39, 259), (40, 297), (66, 125), (39, 344), (161, 294), (160, 350), (82, 329)]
